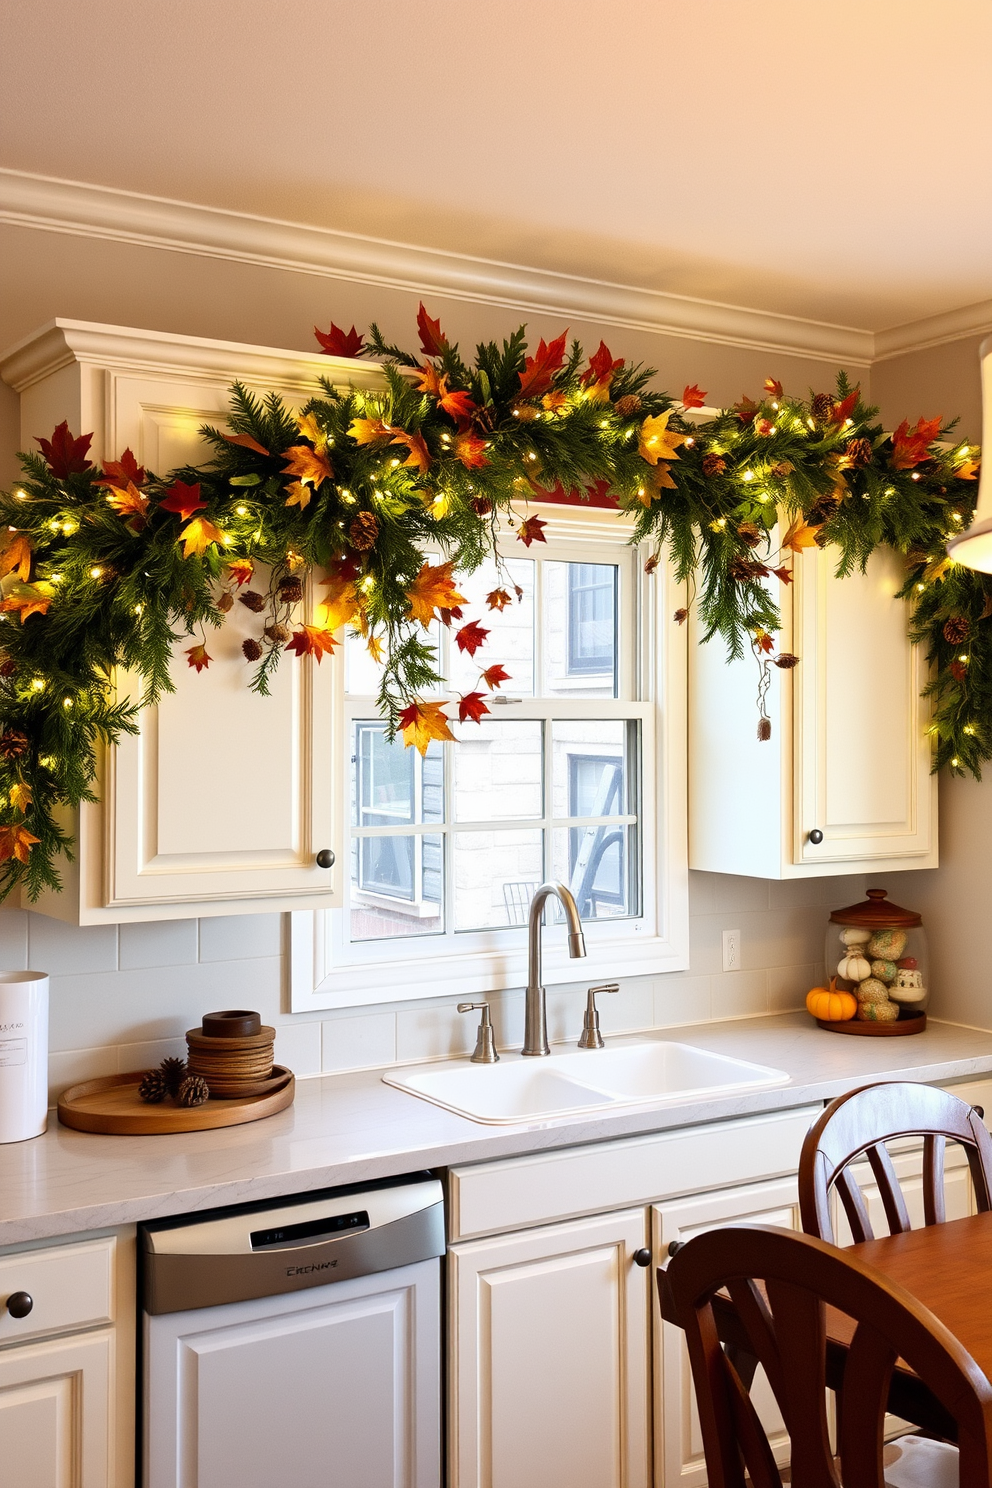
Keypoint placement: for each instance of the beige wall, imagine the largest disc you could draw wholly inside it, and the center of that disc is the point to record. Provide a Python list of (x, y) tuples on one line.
[(941, 379)]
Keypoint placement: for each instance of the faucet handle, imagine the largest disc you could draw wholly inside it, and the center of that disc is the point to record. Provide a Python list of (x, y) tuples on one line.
[(485, 1043), (591, 1038)]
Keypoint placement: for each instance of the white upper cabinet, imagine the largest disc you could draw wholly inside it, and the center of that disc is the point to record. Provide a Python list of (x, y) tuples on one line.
[(844, 783), (223, 800)]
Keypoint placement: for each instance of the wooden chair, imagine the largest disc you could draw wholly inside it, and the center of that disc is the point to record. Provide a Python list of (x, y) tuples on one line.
[(785, 1323), (856, 1126)]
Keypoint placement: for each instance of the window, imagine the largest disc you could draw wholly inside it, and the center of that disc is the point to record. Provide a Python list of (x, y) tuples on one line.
[(561, 780)]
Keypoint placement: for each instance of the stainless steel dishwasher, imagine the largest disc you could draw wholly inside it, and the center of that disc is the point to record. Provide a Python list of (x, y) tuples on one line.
[(296, 1343)]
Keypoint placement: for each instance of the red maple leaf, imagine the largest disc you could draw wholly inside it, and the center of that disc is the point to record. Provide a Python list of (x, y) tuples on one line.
[(498, 599), (535, 379), (763, 641), (911, 446), (773, 387), (459, 405), (337, 342), (693, 396), (311, 640), (446, 616), (471, 637), (471, 450), (746, 409), (63, 454), (531, 531), (845, 408), (601, 366), (123, 472), (495, 675), (472, 705), (241, 570), (183, 499), (198, 657), (433, 341), (958, 671), (785, 574)]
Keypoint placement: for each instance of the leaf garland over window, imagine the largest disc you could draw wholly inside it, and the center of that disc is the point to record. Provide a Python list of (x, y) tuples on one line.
[(362, 510)]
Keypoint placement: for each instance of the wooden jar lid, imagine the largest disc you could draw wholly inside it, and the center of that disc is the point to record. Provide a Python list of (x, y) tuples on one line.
[(876, 913), (235, 1024), (196, 1038)]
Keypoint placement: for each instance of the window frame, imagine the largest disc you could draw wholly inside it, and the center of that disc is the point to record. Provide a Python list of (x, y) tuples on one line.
[(652, 688)]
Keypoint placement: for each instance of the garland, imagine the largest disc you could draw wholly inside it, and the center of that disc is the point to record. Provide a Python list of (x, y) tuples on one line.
[(389, 493)]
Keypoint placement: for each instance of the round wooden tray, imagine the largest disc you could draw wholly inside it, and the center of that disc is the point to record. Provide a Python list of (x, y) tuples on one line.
[(111, 1106), (898, 1029)]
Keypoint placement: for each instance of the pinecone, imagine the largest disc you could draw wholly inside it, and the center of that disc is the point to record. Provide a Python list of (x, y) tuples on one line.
[(628, 405), (714, 464), (764, 730), (153, 1087), (680, 616), (822, 509), (956, 630), (225, 602), (786, 661), (8, 667), (481, 505), (172, 1071), (278, 633), (363, 532), (251, 649), (741, 569), (859, 452), (749, 534), (822, 406), (193, 1091), (13, 744), (525, 412), (254, 601), (290, 590)]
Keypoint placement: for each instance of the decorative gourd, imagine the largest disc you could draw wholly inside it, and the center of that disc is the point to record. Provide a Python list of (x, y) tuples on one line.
[(831, 1006), (872, 990), (853, 967), (854, 937), (878, 1012), (887, 945)]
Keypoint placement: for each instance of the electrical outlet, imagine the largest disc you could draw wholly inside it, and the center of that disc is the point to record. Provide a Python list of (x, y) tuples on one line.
[(731, 950)]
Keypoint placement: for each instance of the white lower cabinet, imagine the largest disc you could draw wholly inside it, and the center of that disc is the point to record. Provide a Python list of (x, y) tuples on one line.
[(56, 1413), (550, 1362)]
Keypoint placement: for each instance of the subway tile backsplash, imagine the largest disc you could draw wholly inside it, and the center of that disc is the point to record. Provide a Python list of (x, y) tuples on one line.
[(123, 998)]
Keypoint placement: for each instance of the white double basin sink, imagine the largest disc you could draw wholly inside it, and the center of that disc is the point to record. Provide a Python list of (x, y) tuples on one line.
[(588, 1080)]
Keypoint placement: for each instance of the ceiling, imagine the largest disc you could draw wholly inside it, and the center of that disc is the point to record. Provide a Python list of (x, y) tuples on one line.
[(829, 161)]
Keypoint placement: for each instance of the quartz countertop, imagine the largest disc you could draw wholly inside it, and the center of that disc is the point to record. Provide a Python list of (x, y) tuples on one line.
[(352, 1128)]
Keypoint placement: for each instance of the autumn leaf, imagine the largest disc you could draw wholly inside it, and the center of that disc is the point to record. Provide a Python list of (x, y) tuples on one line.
[(600, 373), (309, 426), (846, 407), (128, 501), (554, 402), (446, 616), (934, 573), (536, 377), (375, 648), (198, 657), (746, 409), (311, 640), (433, 341), (472, 706), (657, 441), (27, 599), (693, 396), (419, 456), (337, 342), (433, 588), (471, 450), (773, 387), (63, 454), (495, 676), (246, 441), (471, 637), (183, 499), (197, 536), (342, 603), (531, 531), (16, 842), (968, 470), (422, 722), (785, 574), (241, 570), (20, 796), (911, 446), (763, 427), (123, 472), (660, 477), (15, 555), (307, 465), (800, 535), (299, 495), (498, 599), (368, 430), (763, 641)]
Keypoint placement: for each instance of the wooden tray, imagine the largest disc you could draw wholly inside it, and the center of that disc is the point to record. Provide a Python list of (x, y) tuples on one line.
[(112, 1106), (898, 1029)]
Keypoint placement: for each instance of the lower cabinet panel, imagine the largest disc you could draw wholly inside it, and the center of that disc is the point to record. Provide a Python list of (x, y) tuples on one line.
[(56, 1416)]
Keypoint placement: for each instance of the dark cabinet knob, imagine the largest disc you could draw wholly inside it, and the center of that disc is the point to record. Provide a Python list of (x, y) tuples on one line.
[(642, 1257), (19, 1304), (675, 1247), (816, 836), (325, 858)]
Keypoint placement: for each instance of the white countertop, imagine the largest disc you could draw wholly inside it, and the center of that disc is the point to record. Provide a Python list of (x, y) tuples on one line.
[(351, 1128)]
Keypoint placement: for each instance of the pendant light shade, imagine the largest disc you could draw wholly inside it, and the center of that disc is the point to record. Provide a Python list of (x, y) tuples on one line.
[(974, 547)]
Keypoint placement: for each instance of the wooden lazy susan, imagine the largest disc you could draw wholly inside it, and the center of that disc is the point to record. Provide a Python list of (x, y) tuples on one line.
[(877, 1030), (112, 1106)]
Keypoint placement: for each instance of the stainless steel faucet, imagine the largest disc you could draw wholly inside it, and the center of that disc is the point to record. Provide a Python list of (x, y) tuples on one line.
[(535, 1013)]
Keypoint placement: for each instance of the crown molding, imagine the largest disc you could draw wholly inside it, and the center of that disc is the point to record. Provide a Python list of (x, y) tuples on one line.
[(934, 330), (83, 210)]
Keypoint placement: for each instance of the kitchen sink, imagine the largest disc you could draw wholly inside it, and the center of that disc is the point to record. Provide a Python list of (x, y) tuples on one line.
[(624, 1074)]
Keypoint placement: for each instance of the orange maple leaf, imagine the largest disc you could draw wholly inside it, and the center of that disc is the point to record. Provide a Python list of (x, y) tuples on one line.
[(369, 430), (693, 396), (310, 640), (601, 369), (498, 599), (299, 495), (247, 442), (656, 441), (432, 339), (198, 657), (420, 455), (307, 464), (127, 501), (197, 535), (554, 402), (911, 446), (16, 554), (800, 535), (342, 604), (536, 377), (422, 722), (433, 588), (763, 641), (16, 842), (123, 472), (28, 599), (471, 450), (241, 570), (846, 407), (531, 531), (773, 388), (495, 676)]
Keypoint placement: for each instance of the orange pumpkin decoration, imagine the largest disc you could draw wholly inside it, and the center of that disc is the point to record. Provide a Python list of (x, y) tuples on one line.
[(831, 1006)]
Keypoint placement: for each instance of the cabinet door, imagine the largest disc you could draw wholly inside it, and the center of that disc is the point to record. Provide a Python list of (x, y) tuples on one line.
[(678, 1444), (549, 1361), (862, 753), (56, 1413)]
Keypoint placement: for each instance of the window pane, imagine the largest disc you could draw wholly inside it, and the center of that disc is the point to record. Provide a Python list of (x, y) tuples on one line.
[(596, 863), (499, 770), (580, 629), (496, 874), (363, 675), (511, 630), (397, 886), (591, 762), (390, 784)]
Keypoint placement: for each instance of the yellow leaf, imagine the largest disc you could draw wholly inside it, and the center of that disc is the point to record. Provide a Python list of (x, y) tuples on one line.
[(422, 722), (16, 555), (342, 603), (368, 431), (307, 465), (968, 470), (197, 536), (299, 495), (935, 571), (375, 648), (658, 442), (20, 796), (310, 429), (28, 599), (800, 535), (127, 503), (419, 455), (15, 842), (433, 588)]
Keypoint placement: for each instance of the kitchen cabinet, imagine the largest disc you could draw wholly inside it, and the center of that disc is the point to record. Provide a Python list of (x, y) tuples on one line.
[(222, 801), (844, 783)]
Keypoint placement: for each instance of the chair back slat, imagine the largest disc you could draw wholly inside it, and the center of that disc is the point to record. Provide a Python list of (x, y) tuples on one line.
[(854, 1207), (888, 1189), (934, 1207)]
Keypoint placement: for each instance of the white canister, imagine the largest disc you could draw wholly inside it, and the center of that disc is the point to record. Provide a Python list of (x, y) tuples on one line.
[(23, 1055)]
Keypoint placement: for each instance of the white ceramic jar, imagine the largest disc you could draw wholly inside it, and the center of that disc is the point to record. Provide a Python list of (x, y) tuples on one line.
[(23, 1055)]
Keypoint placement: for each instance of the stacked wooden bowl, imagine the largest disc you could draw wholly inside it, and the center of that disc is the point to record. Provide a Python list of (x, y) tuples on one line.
[(233, 1053)]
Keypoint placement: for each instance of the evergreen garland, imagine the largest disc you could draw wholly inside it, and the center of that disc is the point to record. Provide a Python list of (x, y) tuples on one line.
[(106, 568)]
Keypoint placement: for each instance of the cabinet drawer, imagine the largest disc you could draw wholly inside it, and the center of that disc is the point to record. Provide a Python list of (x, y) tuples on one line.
[(72, 1287), (517, 1192)]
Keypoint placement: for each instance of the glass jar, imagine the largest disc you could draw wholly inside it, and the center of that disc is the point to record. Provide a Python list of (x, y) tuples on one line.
[(878, 951)]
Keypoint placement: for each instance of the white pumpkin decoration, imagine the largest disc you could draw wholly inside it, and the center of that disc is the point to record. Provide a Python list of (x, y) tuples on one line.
[(854, 937), (853, 967)]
